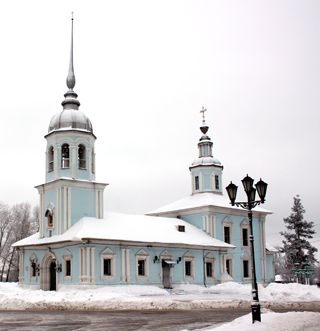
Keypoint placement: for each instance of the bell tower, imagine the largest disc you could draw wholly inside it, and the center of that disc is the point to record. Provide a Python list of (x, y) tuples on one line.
[(206, 171), (70, 191)]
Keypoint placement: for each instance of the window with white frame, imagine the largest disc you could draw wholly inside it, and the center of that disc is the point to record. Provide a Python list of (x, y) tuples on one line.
[(82, 156), (142, 264), (50, 159), (65, 161), (33, 267), (108, 264), (245, 233), (67, 265), (188, 264), (217, 182), (196, 183), (246, 266), (227, 230), (229, 266), (209, 260)]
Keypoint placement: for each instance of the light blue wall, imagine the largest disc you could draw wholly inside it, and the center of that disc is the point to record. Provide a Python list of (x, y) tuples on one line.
[(154, 268)]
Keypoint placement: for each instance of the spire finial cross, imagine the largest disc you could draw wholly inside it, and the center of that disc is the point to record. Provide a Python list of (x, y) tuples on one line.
[(203, 117), (72, 15)]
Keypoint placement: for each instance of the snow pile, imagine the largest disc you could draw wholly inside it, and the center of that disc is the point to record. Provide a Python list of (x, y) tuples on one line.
[(293, 321), (227, 295)]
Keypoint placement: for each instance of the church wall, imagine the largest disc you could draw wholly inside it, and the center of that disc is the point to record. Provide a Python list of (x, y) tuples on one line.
[(154, 268), (240, 252), (82, 204)]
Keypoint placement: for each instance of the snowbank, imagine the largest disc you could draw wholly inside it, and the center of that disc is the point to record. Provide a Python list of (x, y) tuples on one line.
[(227, 295), (293, 321)]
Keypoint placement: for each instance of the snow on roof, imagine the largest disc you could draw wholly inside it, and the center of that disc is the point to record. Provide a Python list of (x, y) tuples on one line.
[(201, 200), (271, 248), (133, 228)]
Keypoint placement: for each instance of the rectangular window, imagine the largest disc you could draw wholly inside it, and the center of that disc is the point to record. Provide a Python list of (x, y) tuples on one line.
[(107, 267), (245, 269), (209, 269), (245, 241), (33, 269), (141, 268), (196, 182), (227, 234), (68, 268), (188, 268), (217, 182), (228, 267)]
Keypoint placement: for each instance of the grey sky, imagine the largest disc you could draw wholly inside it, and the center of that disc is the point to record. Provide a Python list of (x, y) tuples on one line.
[(144, 69)]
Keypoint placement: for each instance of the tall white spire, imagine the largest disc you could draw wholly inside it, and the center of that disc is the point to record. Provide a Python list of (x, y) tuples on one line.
[(71, 79)]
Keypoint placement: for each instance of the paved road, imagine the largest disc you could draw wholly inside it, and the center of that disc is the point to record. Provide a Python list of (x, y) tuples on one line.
[(118, 320)]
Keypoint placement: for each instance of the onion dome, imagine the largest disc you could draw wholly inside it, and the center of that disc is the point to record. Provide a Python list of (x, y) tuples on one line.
[(70, 117)]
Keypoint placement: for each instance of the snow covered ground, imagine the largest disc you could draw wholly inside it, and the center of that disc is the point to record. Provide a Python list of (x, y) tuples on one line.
[(227, 295)]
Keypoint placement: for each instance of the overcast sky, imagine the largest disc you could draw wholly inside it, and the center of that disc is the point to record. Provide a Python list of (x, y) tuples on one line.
[(143, 71)]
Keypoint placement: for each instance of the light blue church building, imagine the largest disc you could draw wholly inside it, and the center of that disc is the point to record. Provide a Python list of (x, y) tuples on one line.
[(200, 239)]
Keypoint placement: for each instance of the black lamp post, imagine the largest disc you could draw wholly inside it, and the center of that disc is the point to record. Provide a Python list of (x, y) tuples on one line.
[(261, 187)]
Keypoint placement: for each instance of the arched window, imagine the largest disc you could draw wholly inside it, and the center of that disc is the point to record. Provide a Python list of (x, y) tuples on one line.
[(50, 159), (65, 156), (82, 156), (49, 215)]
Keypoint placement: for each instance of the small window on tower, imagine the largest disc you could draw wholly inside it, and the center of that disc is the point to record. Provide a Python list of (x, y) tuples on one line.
[(217, 182), (65, 156), (196, 182), (82, 156), (50, 159)]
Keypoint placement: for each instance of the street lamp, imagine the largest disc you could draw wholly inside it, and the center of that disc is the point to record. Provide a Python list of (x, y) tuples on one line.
[(261, 188)]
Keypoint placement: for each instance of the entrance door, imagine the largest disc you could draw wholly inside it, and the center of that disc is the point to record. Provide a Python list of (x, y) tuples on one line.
[(166, 274), (53, 276)]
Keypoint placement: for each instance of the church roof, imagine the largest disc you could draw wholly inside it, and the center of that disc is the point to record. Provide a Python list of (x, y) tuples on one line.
[(201, 200), (131, 229)]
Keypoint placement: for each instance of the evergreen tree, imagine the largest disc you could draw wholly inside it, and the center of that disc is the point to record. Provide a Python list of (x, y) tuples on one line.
[(296, 245)]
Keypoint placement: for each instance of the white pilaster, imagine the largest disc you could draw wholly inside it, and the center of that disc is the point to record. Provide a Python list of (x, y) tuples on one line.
[(123, 265), (128, 265)]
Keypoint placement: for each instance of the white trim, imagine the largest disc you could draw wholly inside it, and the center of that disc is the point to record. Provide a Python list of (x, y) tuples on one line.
[(245, 225), (246, 257), (128, 264), (142, 255), (33, 259), (226, 222), (123, 265), (21, 267), (67, 256), (189, 257), (69, 191), (209, 258), (107, 253)]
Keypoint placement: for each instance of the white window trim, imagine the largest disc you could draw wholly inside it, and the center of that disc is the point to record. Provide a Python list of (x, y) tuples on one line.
[(33, 258), (107, 253), (245, 225), (246, 257), (189, 257), (67, 256), (209, 258), (226, 222), (231, 258), (142, 255)]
